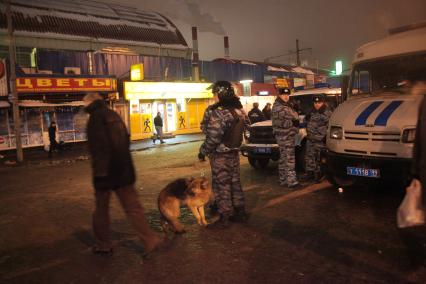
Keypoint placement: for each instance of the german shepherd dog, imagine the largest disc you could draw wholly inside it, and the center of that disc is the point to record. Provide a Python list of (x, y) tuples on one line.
[(192, 192)]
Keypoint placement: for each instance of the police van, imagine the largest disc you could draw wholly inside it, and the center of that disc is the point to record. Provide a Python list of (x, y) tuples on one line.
[(371, 135), (260, 145)]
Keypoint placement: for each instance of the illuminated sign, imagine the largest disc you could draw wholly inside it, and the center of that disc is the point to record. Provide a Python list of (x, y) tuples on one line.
[(166, 90), (136, 72), (263, 93), (64, 84), (339, 67), (281, 83)]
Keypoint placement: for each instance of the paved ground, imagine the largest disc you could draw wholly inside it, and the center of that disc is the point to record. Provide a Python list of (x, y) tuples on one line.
[(313, 235)]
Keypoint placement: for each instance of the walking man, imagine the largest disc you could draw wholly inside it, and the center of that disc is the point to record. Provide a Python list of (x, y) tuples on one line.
[(285, 122), (113, 171), (158, 123), (52, 138), (224, 134)]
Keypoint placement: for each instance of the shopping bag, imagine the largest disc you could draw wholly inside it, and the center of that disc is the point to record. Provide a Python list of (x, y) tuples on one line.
[(411, 212)]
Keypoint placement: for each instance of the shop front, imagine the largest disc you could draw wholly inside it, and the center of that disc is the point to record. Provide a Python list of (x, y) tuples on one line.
[(261, 93), (46, 99), (181, 106)]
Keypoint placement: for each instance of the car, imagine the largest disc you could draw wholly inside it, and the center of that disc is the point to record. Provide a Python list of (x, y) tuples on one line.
[(260, 145)]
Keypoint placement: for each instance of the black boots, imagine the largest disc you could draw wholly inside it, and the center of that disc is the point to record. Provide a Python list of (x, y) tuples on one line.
[(222, 223), (240, 216)]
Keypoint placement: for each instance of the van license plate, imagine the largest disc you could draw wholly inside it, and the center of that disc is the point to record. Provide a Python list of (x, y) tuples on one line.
[(263, 150), (362, 172)]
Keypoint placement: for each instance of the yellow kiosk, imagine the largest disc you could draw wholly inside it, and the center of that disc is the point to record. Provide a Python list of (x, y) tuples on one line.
[(181, 105)]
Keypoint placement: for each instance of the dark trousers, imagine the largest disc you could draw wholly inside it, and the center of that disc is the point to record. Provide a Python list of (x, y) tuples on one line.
[(53, 146), (128, 198)]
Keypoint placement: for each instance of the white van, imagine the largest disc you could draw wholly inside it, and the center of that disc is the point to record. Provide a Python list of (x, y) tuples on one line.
[(371, 135)]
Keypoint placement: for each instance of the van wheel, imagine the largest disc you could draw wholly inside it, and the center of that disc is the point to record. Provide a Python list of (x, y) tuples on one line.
[(258, 163)]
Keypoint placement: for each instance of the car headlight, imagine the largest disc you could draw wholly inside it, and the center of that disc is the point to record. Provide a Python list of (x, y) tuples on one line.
[(408, 135), (336, 132)]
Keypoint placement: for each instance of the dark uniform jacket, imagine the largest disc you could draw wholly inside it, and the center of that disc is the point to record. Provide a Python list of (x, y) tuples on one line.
[(255, 115), (267, 112), (317, 123), (419, 151), (109, 143)]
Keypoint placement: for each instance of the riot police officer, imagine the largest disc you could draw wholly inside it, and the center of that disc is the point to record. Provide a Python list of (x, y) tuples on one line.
[(317, 123), (285, 122), (224, 132)]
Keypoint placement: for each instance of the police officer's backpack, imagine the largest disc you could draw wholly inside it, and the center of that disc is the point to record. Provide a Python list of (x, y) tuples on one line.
[(233, 137)]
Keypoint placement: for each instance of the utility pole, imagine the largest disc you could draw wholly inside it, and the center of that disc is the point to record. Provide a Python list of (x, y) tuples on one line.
[(15, 106), (298, 52)]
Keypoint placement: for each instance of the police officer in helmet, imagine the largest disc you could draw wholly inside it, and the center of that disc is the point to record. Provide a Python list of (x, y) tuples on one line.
[(224, 132)]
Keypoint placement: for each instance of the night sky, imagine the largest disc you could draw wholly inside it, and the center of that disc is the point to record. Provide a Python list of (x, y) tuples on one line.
[(258, 29)]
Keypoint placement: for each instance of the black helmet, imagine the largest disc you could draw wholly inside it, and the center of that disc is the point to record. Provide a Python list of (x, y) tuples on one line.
[(284, 91), (223, 89), (318, 98)]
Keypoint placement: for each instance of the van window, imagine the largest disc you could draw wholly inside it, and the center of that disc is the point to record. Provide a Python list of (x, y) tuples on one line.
[(305, 103), (390, 74)]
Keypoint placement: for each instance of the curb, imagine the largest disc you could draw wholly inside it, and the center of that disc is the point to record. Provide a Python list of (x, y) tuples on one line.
[(68, 161), (166, 144)]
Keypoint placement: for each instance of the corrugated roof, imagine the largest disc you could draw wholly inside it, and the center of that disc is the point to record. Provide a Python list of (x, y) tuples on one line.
[(92, 20)]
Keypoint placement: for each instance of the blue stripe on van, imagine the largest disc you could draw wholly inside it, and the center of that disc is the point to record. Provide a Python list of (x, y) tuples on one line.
[(362, 118), (383, 117)]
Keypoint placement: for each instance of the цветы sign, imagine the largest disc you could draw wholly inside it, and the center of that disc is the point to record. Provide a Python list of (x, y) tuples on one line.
[(57, 85)]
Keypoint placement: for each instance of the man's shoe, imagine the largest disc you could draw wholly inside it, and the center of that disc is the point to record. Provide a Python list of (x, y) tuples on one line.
[(222, 223), (240, 216), (158, 245)]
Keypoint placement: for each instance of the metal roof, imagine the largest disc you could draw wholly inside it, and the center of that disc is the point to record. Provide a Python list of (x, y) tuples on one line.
[(404, 42), (92, 20)]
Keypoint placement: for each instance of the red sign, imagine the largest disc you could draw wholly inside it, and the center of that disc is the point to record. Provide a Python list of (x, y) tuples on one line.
[(58, 85)]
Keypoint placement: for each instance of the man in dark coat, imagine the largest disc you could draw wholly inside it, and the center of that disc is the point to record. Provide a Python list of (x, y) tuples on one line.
[(113, 171), (52, 138), (267, 111), (158, 123), (255, 114)]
